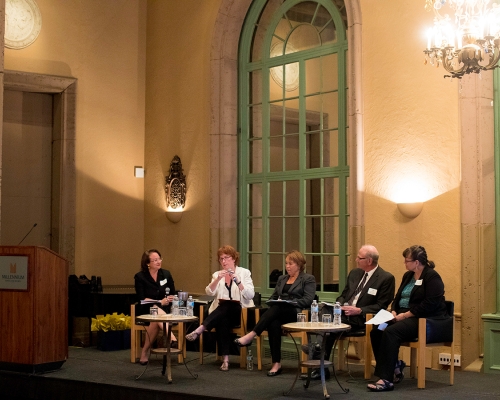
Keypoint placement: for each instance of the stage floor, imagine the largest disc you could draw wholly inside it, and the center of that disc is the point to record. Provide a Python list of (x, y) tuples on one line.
[(93, 374)]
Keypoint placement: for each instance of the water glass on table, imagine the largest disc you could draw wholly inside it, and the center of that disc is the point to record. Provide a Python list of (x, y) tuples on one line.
[(327, 319), (301, 318)]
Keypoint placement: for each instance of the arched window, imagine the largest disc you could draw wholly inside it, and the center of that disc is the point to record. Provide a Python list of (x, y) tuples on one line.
[(293, 164)]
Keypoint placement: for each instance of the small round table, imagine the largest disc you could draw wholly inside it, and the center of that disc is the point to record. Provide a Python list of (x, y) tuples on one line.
[(166, 351), (318, 328)]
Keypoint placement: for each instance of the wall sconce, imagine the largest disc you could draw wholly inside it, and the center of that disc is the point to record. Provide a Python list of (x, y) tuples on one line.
[(410, 210), (175, 189)]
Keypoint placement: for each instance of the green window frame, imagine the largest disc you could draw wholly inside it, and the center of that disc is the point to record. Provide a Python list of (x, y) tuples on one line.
[(293, 141)]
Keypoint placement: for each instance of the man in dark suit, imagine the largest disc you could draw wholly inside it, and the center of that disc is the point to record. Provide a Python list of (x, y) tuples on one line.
[(368, 290)]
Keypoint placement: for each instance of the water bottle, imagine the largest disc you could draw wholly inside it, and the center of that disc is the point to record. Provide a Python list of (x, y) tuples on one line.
[(337, 314), (175, 305), (190, 306), (249, 361), (314, 311)]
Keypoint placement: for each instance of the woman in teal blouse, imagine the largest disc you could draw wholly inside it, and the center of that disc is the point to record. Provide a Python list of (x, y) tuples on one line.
[(421, 295)]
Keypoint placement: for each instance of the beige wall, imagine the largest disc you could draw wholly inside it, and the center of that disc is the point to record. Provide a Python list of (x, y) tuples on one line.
[(412, 142), (102, 44), (177, 122)]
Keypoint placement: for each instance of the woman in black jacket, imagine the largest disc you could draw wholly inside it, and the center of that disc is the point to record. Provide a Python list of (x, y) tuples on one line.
[(153, 283), (296, 286), (421, 295)]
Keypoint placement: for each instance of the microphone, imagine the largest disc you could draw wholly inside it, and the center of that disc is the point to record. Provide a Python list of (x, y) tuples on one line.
[(35, 224)]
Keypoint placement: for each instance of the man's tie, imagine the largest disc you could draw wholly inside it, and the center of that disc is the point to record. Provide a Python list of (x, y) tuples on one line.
[(358, 289)]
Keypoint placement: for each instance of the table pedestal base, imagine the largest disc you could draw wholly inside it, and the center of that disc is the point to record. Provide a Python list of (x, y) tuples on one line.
[(321, 364)]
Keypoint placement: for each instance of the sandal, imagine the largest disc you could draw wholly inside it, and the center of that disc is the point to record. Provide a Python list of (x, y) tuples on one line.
[(192, 336), (401, 366), (224, 366), (385, 386)]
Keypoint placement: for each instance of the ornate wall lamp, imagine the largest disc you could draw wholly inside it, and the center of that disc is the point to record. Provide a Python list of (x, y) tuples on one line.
[(175, 189)]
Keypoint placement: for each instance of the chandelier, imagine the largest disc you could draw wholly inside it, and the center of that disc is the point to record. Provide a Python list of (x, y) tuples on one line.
[(465, 37)]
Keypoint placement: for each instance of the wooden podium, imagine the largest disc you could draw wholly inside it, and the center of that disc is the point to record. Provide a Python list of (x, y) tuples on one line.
[(33, 320)]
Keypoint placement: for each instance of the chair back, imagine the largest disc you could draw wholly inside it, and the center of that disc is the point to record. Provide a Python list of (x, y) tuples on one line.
[(441, 330), (450, 308)]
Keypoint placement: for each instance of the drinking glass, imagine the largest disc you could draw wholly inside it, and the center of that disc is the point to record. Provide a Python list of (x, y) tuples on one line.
[(183, 311), (153, 311), (327, 319), (301, 318)]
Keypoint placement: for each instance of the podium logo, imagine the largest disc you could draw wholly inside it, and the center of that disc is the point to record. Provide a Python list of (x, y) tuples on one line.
[(13, 275)]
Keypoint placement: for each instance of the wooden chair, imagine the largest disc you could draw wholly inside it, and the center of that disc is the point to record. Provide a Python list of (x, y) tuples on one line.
[(136, 337), (361, 336), (239, 330), (432, 333), (299, 335)]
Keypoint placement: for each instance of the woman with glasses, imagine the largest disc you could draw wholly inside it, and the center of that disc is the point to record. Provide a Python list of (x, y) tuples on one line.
[(297, 287), (233, 288), (153, 283), (421, 295)]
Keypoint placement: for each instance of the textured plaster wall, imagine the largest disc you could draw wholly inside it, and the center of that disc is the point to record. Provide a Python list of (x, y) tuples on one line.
[(102, 44), (177, 122), (412, 142)]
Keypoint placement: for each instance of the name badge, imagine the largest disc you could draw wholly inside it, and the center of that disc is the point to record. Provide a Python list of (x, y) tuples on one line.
[(418, 283), (163, 282), (372, 291)]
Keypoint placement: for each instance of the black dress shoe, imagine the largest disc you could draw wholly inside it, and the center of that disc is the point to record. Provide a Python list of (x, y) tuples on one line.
[(143, 362), (316, 350), (316, 374), (275, 373)]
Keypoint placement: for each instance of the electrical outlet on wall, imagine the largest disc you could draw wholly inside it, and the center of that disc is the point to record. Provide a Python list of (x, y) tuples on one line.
[(445, 359)]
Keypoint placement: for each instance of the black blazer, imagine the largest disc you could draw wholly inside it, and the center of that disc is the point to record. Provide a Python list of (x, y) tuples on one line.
[(302, 290), (147, 287), (427, 299), (381, 281)]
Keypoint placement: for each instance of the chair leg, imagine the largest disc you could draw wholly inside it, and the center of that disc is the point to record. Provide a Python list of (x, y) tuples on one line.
[(368, 359), (413, 362), (259, 353), (303, 340), (243, 357), (180, 341), (341, 355), (421, 367), (452, 366)]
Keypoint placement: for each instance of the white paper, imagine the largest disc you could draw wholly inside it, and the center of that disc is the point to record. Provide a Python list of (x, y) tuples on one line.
[(381, 317), (327, 304), (150, 301)]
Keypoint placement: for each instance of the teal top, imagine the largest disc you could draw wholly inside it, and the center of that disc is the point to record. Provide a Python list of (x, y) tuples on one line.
[(404, 302)]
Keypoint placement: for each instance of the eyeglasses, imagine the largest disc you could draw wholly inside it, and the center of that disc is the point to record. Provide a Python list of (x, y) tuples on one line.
[(408, 261), (361, 258), (156, 260), (225, 258)]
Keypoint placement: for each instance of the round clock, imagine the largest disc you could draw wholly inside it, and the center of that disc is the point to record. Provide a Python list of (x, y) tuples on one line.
[(23, 23)]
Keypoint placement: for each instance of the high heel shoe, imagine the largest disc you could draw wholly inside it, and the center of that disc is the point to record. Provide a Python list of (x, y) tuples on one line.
[(192, 336), (144, 362), (274, 373), (237, 341)]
